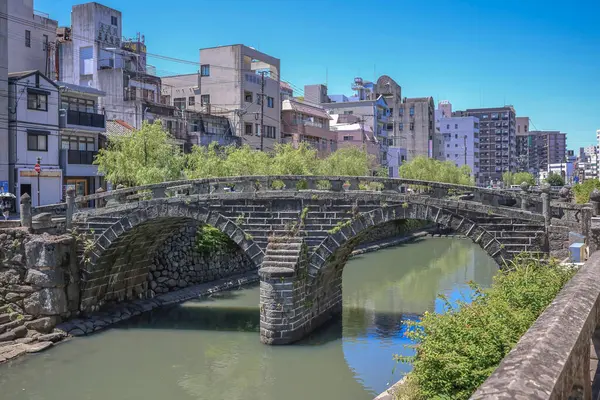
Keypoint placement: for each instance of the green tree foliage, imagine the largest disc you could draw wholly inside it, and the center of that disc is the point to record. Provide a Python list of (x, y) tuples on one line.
[(583, 190), (348, 161), (458, 350), (146, 156), (516, 178), (429, 169), (555, 179), (214, 161)]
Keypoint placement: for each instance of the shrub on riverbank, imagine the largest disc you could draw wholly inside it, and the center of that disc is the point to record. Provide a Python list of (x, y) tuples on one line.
[(458, 350)]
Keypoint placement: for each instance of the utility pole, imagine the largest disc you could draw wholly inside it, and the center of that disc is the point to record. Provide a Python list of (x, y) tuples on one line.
[(262, 109)]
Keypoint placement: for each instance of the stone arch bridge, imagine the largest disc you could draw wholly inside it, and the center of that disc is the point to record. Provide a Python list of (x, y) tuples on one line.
[(298, 232)]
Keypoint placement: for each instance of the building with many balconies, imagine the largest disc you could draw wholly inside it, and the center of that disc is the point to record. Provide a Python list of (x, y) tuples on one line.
[(81, 124), (304, 122)]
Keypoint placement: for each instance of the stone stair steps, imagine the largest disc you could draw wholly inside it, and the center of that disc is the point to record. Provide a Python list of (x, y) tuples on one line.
[(269, 257), (516, 234), (287, 248)]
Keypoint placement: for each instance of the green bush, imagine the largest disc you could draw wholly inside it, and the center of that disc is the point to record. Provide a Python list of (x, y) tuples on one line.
[(583, 190), (210, 239), (458, 350), (555, 179)]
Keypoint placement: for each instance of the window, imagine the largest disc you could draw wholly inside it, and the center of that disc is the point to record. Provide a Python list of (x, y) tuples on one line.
[(447, 155), (390, 127), (248, 96), (205, 70), (37, 141), (347, 137), (400, 126), (76, 104), (82, 143), (179, 103), (348, 112), (204, 99), (401, 111), (455, 145), (412, 110), (27, 38), (448, 145), (113, 20), (45, 43), (270, 102), (455, 126), (37, 101), (447, 126), (191, 100), (248, 129), (412, 126), (456, 136), (270, 131)]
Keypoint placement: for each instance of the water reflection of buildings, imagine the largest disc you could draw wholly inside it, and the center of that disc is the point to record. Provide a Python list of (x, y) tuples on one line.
[(378, 304)]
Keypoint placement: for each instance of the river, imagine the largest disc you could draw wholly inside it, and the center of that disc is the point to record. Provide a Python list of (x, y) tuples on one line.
[(210, 349)]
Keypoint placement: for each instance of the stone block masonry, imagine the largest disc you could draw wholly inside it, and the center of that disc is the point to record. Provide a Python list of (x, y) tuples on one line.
[(178, 263), (39, 287)]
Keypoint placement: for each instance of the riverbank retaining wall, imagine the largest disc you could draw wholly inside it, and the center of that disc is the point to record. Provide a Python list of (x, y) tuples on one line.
[(39, 287)]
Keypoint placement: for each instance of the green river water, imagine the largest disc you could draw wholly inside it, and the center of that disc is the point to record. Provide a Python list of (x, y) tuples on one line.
[(210, 349)]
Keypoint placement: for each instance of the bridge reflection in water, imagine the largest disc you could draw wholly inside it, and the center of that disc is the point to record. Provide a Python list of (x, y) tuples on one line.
[(210, 350)]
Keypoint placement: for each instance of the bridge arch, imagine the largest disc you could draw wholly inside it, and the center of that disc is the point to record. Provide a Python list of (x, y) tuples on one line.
[(338, 246), (117, 263)]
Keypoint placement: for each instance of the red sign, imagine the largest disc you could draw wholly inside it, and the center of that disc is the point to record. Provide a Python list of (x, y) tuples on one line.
[(37, 168)]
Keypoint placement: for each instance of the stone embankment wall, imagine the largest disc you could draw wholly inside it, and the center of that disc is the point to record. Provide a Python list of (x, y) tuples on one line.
[(39, 287), (179, 264)]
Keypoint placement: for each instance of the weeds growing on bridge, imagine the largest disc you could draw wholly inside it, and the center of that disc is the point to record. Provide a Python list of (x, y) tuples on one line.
[(458, 350)]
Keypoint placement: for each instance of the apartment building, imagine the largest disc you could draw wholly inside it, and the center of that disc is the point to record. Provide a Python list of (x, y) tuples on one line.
[(373, 112), (231, 78), (497, 126), (352, 130), (460, 139), (81, 125), (308, 123), (416, 118), (523, 144), (31, 39), (34, 137)]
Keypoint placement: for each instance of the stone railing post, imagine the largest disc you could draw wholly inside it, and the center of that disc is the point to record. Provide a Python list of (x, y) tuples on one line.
[(524, 195), (25, 209), (595, 201), (70, 207), (99, 202), (546, 210)]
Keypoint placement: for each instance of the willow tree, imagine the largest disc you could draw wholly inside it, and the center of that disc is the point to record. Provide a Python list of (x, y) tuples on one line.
[(429, 169), (148, 155)]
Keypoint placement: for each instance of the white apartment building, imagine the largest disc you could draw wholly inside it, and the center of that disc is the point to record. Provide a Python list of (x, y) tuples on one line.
[(460, 143), (81, 123), (230, 84), (34, 135)]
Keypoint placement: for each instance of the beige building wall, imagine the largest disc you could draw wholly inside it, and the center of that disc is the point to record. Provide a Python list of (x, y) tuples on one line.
[(229, 75)]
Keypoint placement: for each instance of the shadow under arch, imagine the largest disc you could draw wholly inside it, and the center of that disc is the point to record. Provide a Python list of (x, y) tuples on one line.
[(119, 260)]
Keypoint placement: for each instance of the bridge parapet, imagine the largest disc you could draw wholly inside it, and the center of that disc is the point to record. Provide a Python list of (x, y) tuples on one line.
[(286, 183), (552, 359)]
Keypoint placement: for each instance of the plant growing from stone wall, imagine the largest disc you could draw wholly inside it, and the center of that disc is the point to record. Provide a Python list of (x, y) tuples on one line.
[(84, 241), (210, 239)]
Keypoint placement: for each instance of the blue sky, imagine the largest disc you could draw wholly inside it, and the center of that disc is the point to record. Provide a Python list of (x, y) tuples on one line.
[(541, 57)]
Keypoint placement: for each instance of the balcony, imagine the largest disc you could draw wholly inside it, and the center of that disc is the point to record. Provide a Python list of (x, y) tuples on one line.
[(77, 119), (78, 162)]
